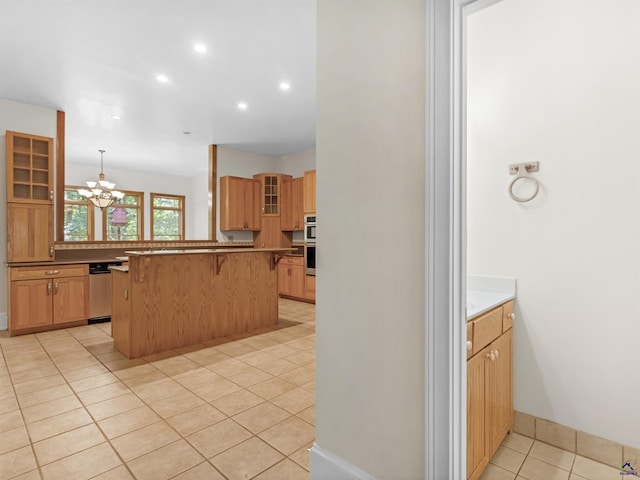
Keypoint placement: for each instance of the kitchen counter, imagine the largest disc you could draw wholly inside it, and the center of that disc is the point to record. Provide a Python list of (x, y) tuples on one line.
[(168, 299), (485, 293), (204, 250)]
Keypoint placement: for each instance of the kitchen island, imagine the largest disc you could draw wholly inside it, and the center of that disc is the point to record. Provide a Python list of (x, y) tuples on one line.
[(167, 299)]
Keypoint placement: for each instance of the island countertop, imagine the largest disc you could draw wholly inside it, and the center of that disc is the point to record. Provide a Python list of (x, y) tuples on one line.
[(206, 250)]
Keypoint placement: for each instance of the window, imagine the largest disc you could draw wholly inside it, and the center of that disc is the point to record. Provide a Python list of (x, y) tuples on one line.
[(123, 220), (167, 217), (78, 216)]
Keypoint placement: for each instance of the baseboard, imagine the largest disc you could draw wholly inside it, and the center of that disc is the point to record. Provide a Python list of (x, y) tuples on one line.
[(327, 466), (3, 321)]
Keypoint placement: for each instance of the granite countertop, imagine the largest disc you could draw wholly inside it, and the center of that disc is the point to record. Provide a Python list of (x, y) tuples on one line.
[(485, 293)]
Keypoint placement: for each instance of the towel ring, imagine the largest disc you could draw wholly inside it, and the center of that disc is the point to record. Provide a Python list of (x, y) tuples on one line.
[(523, 174)]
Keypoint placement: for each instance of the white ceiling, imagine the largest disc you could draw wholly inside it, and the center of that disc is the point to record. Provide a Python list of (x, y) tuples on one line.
[(96, 58)]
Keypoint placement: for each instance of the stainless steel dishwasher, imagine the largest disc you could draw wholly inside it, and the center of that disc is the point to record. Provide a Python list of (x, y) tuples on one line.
[(100, 291)]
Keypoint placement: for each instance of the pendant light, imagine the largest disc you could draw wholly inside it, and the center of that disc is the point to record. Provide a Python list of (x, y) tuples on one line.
[(101, 193)]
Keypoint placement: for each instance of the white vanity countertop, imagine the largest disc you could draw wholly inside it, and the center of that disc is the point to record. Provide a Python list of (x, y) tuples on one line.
[(485, 293)]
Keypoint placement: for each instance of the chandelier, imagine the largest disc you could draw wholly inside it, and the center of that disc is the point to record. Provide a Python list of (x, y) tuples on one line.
[(101, 193)]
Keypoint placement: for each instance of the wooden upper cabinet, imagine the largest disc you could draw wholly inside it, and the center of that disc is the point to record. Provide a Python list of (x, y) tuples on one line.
[(239, 208), (292, 200), (310, 191), (29, 233), (30, 167), (271, 192)]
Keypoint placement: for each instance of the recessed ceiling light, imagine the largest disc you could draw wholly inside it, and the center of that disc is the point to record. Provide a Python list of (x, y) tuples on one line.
[(198, 47), (162, 78), (186, 133), (116, 117), (285, 86), (242, 106)]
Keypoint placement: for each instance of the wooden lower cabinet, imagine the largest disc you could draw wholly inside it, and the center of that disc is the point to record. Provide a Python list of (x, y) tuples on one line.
[(48, 298), (292, 280), (489, 396)]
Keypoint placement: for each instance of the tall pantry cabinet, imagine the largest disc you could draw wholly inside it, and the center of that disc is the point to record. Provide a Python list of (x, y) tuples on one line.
[(30, 167), (43, 295)]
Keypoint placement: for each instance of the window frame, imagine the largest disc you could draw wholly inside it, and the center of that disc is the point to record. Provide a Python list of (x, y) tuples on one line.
[(91, 228), (139, 206), (181, 210)]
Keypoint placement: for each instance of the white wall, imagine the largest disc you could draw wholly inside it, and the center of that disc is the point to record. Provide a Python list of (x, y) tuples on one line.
[(295, 164), (23, 118), (370, 402), (559, 82)]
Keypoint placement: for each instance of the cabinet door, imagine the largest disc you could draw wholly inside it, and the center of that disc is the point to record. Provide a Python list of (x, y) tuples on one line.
[(70, 299), (477, 452), (286, 205), (29, 168), (29, 232), (297, 280), (31, 304), (500, 390), (297, 203), (310, 191), (252, 204), (270, 194), (232, 203), (270, 235), (284, 286)]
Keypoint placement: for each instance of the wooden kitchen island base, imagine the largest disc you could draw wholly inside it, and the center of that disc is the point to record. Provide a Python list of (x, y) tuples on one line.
[(171, 299)]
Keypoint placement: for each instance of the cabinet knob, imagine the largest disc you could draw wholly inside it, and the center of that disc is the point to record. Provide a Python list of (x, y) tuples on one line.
[(512, 316), (51, 251), (491, 356), (496, 354), (469, 345), (49, 288), (51, 195), (55, 288)]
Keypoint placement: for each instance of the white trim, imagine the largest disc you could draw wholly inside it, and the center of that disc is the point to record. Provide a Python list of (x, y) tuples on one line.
[(445, 268), (324, 465)]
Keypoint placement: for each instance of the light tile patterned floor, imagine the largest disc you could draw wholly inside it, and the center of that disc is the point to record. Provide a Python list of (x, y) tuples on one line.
[(520, 458), (239, 408), (71, 407)]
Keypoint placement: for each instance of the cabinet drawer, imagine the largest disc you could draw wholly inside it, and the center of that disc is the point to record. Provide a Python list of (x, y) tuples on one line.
[(53, 271), (507, 316), (486, 329), (292, 261)]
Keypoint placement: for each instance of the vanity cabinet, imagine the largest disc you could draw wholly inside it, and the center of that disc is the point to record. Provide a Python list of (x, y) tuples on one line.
[(292, 204), (239, 203), (29, 198), (310, 191), (489, 386), (43, 298)]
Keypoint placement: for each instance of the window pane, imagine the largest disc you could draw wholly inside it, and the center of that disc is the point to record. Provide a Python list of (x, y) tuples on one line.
[(75, 222), (164, 202), (73, 195), (129, 200), (166, 225), (122, 223)]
